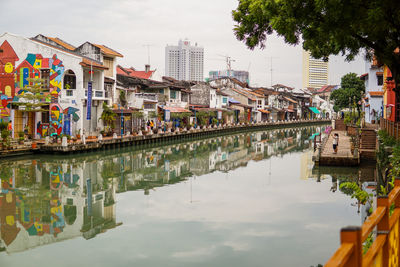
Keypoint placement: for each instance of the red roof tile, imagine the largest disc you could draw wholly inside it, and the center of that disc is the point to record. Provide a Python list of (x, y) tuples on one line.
[(134, 73)]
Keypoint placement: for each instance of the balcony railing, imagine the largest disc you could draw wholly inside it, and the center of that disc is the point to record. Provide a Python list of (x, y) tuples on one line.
[(153, 97), (99, 94)]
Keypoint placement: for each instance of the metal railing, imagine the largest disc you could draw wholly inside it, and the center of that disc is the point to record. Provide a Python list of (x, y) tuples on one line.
[(385, 249)]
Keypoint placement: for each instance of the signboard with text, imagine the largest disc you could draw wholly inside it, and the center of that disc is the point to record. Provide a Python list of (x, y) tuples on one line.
[(167, 115), (89, 101)]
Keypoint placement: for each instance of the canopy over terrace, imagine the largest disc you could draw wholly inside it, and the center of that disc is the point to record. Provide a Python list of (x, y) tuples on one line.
[(315, 110)]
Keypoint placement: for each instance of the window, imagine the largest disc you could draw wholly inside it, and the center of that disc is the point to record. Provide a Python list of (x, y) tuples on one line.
[(45, 117), (172, 94), (380, 79), (69, 80), (45, 75), (224, 100)]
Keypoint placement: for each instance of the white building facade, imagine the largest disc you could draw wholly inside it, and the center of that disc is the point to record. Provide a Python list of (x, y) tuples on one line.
[(315, 71), (184, 61)]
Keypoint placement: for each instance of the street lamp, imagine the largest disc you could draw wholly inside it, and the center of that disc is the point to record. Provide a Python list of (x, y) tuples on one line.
[(122, 120)]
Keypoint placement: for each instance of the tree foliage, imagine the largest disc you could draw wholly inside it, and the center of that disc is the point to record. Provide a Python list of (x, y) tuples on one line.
[(350, 93), (107, 116), (34, 97), (326, 27)]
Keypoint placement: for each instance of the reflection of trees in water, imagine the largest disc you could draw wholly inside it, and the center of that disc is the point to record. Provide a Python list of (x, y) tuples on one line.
[(169, 163)]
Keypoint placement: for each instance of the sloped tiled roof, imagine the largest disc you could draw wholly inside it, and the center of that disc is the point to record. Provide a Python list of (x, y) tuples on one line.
[(134, 73), (326, 88), (86, 62), (376, 93), (62, 43), (108, 51), (90, 63)]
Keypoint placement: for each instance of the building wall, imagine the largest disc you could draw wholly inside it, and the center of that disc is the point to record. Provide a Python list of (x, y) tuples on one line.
[(315, 71), (200, 94), (37, 57), (371, 85), (184, 62)]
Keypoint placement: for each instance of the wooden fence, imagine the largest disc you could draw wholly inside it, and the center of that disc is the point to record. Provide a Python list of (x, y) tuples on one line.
[(391, 127), (385, 249)]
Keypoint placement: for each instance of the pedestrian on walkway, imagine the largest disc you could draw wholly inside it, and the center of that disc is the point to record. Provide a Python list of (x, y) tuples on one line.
[(9, 127), (335, 143)]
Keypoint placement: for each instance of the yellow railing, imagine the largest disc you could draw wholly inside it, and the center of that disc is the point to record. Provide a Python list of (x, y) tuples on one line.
[(385, 249)]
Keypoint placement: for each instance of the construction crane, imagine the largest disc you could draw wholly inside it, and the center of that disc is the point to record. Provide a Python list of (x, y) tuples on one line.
[(229, 61)]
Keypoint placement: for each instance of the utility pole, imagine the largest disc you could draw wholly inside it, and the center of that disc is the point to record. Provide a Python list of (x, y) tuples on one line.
[(271, 69), (148, 52)]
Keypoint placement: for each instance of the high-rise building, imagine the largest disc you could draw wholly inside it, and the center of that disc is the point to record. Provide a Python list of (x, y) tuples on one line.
[(184, 61), (241, 75), (315, 71)]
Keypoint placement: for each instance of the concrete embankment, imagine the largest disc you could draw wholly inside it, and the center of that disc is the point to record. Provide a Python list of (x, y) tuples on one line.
[(154, 139)]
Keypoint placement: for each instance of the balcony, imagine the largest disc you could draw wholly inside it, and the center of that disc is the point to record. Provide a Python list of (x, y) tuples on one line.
[(68, 93), (153, 97), (99, 94)]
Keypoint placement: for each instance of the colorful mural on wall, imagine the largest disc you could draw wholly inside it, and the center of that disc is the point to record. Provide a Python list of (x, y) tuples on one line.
[(20, 206), (14, 79)]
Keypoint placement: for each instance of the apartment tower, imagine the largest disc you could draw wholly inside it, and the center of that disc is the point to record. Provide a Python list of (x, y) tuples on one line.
[(184, 61), (315, 71)]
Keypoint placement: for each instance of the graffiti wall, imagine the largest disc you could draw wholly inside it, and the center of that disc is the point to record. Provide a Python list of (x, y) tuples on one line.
[(15, 79)]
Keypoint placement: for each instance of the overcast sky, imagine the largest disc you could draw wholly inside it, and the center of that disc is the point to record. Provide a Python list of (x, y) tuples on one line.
[(129, 25)]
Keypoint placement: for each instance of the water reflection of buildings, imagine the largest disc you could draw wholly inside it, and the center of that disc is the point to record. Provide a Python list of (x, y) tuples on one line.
[(43, 203), (52, 199)]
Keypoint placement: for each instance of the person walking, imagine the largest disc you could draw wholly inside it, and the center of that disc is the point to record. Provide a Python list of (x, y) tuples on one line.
[(335, 143), (9, 127)]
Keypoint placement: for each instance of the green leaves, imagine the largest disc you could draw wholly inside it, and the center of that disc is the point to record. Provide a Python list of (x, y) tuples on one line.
[(326, 27), (350, 93), (356, 192)]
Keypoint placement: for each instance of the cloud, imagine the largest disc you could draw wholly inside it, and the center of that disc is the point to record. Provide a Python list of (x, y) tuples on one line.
[(128, 25)]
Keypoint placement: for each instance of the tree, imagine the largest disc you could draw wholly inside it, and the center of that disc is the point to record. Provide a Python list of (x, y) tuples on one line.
[(350, 93), (34, 98), (326, 27), (122, 98), (108, 117)]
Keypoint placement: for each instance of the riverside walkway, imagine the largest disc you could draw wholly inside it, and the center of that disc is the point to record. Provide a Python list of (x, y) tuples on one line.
[(343, 157), (159, 138)]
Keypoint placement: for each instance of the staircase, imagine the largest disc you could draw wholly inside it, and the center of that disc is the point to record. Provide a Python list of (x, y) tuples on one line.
[(339, 125), (367, 144)]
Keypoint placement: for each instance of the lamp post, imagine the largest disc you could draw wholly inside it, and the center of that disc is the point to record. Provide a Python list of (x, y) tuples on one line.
[(122, 120), (195, 119)]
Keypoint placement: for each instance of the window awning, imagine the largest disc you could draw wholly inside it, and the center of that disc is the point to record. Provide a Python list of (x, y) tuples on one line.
[(264, 111), (315, 110)]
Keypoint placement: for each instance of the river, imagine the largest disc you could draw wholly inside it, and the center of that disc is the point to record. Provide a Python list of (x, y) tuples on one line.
[(250, 199)]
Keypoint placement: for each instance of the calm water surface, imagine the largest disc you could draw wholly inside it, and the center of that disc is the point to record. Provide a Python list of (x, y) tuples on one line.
[(240, 200)]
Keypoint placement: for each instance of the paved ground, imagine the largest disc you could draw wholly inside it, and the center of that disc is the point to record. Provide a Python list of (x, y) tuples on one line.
[(343, 148)]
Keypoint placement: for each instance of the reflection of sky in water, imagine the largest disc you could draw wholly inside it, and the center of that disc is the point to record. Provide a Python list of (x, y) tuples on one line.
[(259, 215)]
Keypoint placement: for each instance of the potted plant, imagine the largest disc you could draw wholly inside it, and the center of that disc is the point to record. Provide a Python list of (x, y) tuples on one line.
[(78, 133), (5, 138), (21, 137)]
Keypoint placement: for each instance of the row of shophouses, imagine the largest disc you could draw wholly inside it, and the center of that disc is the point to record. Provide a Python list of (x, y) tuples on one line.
[(380, 97), (81, 79)]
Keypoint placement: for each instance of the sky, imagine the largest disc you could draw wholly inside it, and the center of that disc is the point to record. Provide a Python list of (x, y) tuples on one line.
[(140, 29)]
